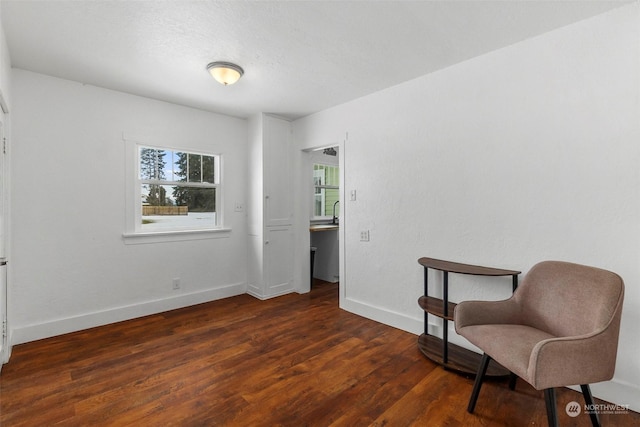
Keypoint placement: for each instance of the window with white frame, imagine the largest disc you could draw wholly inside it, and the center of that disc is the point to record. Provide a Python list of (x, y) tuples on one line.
[(177, 190), (326, 181)]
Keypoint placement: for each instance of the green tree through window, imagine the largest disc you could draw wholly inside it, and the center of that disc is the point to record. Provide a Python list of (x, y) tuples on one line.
[(195, 168), (152, 165)]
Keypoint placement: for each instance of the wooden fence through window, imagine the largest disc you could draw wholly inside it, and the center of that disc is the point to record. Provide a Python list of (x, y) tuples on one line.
[(164, 210)]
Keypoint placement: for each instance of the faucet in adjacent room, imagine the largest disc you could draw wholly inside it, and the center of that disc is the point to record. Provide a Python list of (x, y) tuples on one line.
[(335, 218)]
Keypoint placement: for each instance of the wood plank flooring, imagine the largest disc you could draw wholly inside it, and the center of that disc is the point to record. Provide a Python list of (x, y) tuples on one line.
[(296, 360)]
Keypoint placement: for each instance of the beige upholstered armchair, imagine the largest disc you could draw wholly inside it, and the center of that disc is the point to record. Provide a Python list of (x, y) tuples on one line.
[(560, 328)]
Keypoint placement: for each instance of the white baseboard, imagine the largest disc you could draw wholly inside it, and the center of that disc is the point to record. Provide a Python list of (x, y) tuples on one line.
[(614, 391), (85, 321), (257, 293), (382, 315)]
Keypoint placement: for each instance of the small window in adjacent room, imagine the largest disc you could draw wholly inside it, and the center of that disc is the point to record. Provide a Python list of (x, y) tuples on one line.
[(177, 190), (326, 181)]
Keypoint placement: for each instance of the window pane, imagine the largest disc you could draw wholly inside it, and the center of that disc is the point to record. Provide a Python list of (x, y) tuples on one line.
[(332, 195), (325, 198), (318, 175), (177, 207), (318, 202), (326, 175), (180, 166), (209, 169), (195, 168), (156, 196), (332, 177), (168, 166), (197, 199), (152, 163)]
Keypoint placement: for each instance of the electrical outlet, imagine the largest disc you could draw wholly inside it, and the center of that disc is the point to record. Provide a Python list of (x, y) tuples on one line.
[(364, 236), (353, 195), (239, 207), (176, 283)]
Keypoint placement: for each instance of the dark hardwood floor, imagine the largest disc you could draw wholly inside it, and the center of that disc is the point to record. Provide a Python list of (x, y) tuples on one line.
[(295, 360)]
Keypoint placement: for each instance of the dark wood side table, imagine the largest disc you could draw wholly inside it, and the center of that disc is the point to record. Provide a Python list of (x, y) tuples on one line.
[(440, 350)]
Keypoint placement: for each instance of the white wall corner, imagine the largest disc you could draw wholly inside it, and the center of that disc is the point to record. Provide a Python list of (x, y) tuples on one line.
[(383, 315)]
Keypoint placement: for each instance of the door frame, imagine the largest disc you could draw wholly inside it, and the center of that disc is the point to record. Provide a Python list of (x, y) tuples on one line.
[(306, 194), (4, 294)]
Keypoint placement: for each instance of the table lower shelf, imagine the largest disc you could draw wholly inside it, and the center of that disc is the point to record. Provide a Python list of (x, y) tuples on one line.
[(459, 359)]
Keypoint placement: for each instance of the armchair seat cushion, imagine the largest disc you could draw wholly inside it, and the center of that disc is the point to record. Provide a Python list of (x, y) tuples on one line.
[(512, 345)]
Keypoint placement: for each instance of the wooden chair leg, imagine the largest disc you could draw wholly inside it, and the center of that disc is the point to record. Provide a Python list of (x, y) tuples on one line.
[(512, 381), (550, 401), (588, 399), (482, 370)]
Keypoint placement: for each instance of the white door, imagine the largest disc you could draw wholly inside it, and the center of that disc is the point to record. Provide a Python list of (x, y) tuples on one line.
[(278, 256), (277, 172)]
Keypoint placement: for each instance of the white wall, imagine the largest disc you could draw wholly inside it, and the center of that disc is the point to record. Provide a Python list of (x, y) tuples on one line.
[(5, 89), (5, 67), (71, 268), (524, 154)]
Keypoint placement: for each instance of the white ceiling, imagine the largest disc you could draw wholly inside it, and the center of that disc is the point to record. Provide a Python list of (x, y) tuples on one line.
[(299, 57)]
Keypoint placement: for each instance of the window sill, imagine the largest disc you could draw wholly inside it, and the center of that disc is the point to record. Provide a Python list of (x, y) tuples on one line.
[(320, 219), (174, 235)]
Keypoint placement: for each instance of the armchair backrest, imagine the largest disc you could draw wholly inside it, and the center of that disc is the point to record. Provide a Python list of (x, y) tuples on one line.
[(566, 299)]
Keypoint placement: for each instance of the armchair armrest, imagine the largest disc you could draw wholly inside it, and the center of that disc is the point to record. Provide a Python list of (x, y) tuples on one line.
[(563, 361), (468, 313)]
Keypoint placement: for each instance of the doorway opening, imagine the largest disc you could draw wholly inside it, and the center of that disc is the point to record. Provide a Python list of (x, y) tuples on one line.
[(324, 213)]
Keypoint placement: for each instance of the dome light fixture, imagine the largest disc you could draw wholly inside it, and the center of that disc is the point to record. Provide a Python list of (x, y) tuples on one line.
[(225, 73)]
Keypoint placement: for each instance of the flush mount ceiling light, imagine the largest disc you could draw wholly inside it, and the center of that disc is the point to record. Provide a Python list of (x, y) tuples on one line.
[(225, 73)]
